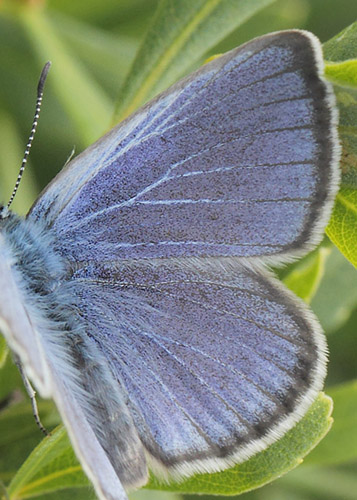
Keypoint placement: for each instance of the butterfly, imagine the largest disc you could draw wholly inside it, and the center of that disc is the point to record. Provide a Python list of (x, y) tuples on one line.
[(137, 293)]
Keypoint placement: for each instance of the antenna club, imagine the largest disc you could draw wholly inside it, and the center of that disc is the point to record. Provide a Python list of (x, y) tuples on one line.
[(43, 77)]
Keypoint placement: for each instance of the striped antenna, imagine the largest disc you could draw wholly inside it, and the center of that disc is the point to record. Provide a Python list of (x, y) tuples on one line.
[(40, 87)]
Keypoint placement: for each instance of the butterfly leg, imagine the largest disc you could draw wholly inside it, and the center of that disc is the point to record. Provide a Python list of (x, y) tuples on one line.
[(32, 395)]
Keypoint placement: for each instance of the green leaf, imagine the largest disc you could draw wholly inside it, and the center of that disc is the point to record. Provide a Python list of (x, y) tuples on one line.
[(123, 15), (107, 56), (336, 297), (342, 228), (9, 374), (53, 465), (266, 466), (340, 445), (342, 46), (344, 73), (181, 34), (341, 54), (50, 467), (343, 224), (84, 100), (19, 433), (305, 277), (154, 495)]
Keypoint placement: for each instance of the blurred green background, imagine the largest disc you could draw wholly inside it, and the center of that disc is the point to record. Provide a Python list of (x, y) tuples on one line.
[(92, 45), (100, 38)]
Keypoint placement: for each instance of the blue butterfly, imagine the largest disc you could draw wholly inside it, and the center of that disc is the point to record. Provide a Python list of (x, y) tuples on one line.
[(136, 291)]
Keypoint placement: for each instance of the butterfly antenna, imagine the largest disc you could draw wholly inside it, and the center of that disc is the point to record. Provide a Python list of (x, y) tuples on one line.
[(40, 87)]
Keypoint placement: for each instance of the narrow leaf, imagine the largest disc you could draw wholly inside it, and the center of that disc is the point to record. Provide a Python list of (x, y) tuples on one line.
[(19, 433), (51, 466), (84, 100), (181, 34), (107, 55), (12, 150)]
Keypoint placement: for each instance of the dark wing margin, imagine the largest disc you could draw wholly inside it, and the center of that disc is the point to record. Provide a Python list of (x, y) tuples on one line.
[(205, 360), (238, 159), (216, 360)]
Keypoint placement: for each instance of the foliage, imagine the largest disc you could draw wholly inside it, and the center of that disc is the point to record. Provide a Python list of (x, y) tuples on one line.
[(94, 73)]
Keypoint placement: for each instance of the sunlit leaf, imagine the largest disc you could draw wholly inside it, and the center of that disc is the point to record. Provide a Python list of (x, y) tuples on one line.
[(51, 466), (19, 433), (342, 50)]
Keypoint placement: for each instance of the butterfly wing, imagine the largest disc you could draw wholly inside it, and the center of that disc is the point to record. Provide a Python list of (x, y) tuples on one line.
[(14, 320), (89, 450), (217, 360), (239, 158), (49, 367)]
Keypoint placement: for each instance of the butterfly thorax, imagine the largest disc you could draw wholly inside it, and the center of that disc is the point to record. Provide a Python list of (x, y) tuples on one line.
[(31, 252), (4, 212), (51, 297)]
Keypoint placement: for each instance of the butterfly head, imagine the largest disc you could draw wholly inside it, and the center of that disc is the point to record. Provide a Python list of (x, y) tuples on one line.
[(4, 212)]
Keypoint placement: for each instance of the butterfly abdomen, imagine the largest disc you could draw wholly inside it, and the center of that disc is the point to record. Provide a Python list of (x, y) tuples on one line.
[(44, 282)]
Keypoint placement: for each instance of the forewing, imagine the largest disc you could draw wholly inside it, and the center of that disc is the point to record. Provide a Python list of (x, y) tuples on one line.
[(239, 158), (217, 360)]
